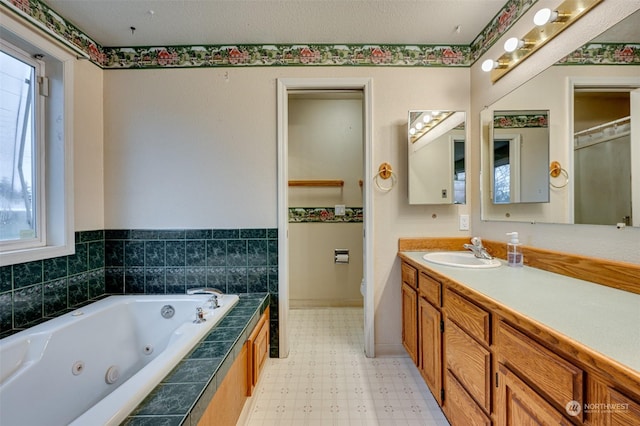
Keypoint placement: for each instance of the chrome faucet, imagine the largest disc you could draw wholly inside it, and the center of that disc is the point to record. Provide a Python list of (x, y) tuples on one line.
[(214, 292), (478, 249), (199, 316)]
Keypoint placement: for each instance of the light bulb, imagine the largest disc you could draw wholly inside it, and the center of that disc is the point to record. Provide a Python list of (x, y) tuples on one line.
[(412, 131), (544, 16), (426, 118), (435, 113), (513, 44), (488, 65), (419, 125)]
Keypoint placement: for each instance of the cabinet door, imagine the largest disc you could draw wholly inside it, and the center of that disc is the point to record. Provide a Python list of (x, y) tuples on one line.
[(519, 405), (470, 363), (624, 411), (430, 353), (410, 321), (460, 409)]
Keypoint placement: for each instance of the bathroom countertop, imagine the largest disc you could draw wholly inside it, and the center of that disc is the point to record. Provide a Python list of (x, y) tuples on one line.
[(183, 396), (603, 319)]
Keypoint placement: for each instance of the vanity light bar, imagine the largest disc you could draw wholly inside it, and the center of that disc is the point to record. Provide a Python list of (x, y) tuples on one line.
[(429, 125), (568, 12)]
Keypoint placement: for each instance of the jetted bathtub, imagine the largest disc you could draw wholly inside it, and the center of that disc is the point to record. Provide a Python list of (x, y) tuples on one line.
[(93, 366)]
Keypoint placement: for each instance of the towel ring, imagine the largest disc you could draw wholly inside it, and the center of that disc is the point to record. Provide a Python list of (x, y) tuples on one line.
[(555, 170), (385, 172)]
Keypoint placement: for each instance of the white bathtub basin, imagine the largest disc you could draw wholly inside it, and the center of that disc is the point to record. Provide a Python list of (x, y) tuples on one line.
[(460, 259), (95, 365)]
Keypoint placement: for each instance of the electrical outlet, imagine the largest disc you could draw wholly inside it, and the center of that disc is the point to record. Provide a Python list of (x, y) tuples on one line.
[(464, 222), (340, 210)]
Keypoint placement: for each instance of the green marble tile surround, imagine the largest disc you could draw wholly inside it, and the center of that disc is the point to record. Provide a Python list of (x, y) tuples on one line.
[(138, 261), (35, 291), (185, 393)]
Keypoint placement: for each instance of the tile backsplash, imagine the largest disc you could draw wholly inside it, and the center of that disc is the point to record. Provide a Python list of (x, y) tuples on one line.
[(140, 262), (33, 291)]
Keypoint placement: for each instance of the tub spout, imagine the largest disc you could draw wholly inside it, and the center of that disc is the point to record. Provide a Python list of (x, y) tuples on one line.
[(214, 292)]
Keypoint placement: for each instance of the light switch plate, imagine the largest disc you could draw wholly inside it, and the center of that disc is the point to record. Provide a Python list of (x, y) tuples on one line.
[(464, 222), (340, 210)]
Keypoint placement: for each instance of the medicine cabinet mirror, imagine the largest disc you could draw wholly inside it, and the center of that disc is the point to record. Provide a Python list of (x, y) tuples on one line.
[(520, 157), (592, 109), (436, 147)]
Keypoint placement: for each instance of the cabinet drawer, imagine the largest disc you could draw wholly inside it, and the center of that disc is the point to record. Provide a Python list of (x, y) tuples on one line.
[(409, 274), (470, 317), (470, 363), (557, 379), (460, 409), (429, 288)]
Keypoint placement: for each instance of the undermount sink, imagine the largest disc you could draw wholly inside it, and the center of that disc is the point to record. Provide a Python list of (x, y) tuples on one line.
[(460, 259)]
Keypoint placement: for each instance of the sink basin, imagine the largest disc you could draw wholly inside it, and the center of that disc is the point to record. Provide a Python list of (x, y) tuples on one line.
[(460, 259)]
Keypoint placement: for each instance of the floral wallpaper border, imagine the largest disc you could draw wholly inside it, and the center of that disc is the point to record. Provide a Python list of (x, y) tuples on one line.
[(520, 121), (324, 214), (604, 54), (50, 21), (285, 55), (266, 55), (151, 57), (504, 19)]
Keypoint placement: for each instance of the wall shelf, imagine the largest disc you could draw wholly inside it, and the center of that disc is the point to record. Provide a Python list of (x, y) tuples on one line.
[(318, 182)]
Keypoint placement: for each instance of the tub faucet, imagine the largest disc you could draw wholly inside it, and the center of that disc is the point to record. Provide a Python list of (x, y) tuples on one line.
[(199, 316), (214, 292), (478, 249)]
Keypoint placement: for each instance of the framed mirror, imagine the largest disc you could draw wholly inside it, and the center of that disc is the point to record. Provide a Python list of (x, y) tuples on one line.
[(520, 157), (436, 149), (593, 97)]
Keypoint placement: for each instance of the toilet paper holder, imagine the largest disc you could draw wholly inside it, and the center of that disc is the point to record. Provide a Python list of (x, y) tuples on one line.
[(341, 256)]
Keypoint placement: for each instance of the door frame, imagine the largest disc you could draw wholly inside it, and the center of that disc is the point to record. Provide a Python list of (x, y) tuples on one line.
[(284, 85)]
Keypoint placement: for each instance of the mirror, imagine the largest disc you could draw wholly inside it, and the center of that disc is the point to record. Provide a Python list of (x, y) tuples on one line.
[(520, 157), (436, 147), (589, 95)]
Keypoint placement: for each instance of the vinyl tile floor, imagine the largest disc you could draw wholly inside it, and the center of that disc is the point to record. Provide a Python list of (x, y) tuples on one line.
[(327, 380)]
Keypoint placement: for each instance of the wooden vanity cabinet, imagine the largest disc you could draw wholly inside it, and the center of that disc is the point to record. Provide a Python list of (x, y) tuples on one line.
[(488, 365), (410, 310), (430, 329)]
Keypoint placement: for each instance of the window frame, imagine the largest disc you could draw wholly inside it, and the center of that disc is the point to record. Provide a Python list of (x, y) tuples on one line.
[(57, 195)]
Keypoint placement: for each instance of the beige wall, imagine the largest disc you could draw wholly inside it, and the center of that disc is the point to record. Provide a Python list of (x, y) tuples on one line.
[(314, 278), (191, 148), (326, 142), (88, 147)]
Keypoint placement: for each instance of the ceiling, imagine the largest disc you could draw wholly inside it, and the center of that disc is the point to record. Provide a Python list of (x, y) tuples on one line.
[(194, 22)]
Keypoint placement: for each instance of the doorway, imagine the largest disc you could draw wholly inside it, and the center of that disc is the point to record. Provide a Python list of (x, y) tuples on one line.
[(604, 115), (286, 87)]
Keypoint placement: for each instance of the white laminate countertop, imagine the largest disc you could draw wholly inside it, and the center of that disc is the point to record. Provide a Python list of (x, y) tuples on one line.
[(604, 319)]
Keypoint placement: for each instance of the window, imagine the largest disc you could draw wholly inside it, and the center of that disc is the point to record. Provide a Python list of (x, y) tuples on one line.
[(20, 144), (36, 141)]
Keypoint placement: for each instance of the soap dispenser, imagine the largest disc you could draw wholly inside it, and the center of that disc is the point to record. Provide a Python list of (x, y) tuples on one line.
[(514, 250)]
